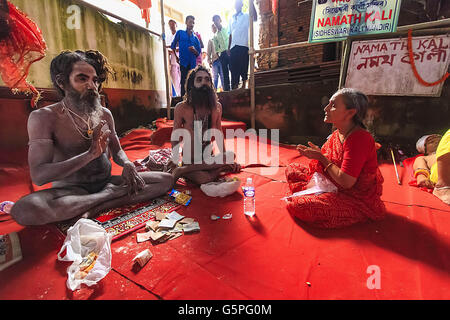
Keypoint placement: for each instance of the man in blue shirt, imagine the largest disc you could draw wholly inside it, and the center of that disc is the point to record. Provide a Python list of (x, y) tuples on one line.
[(238, 44), (189, 49)]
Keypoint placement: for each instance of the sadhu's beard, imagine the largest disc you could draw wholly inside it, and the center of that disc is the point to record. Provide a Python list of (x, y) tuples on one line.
[(202, 97), (87, 102)]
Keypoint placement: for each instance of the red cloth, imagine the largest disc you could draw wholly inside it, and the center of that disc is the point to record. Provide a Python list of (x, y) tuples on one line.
[(24, 46), (347, 206), (411, 245)]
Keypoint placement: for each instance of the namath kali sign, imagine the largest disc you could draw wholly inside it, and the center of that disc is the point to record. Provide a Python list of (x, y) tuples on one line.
[(334, 20), (383, 67)]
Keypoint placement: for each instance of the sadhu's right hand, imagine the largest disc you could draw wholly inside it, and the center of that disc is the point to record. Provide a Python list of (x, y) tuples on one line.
[(99, 139)]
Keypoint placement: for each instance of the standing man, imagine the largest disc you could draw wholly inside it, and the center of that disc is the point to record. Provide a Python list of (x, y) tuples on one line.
[(238, 43), (200, 56), (189, 47), (70, 143), (213, 60), (173, 59), (221, 45)]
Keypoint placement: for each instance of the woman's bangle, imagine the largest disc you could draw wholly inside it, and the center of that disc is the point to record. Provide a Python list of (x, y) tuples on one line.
[(421, 171), (328, 165)]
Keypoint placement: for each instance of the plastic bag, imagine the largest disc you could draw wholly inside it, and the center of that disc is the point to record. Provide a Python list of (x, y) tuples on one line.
[(317, 185), (86, 241), (221, 189)]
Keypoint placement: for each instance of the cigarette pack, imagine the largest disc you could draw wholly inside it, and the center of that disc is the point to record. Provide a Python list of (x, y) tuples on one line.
[(180, 197)]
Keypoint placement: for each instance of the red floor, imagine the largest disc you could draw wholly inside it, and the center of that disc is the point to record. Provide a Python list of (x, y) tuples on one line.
[(269, 257)]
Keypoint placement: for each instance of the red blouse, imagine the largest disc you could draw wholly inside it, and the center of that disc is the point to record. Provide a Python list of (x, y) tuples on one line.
[(359, 151)]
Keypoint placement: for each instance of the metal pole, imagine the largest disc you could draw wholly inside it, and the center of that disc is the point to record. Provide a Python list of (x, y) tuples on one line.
[(165, 59), (252, 68), (344, 61), (288, 46)]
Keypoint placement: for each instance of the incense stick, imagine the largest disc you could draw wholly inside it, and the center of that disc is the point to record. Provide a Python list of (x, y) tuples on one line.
[(395, 167)]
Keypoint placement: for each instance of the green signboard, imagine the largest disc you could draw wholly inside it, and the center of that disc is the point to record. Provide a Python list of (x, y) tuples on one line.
[(335, 20)]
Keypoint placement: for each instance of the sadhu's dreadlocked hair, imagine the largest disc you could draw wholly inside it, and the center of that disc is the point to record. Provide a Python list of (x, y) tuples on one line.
[(61, 66), (5, 28)]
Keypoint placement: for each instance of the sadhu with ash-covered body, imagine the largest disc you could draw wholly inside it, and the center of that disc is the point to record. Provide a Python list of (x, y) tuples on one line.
[(348, 158), (198, 120), (69, 145)]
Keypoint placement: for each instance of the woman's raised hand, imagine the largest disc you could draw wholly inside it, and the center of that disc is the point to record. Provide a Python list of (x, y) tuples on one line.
[(311, 151)]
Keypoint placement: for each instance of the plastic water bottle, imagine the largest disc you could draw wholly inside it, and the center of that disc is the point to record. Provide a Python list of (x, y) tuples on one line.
[(249, 198)]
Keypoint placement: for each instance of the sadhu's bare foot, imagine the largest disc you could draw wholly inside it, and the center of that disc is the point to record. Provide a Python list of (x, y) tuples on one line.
[(89, 215), (170, 167), (177, 172), (233, 168), (117, 190), (443, 193)]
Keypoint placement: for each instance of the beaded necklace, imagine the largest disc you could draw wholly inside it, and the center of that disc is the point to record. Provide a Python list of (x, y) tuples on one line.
[(89, 131)]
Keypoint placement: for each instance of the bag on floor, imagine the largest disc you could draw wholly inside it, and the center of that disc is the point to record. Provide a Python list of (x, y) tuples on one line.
[(317, 185), (88, 245), (221, 188)]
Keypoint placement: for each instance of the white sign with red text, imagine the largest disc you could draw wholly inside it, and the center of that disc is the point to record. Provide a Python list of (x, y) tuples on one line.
[(383, 67)]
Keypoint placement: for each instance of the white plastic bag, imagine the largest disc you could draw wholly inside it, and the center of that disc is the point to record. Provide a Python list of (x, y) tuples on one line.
[(84, 237), (317, 185), (220, 189)]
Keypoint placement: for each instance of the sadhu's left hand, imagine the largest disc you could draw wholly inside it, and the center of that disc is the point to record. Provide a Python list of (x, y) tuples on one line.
[(132, 178), (311, 152)]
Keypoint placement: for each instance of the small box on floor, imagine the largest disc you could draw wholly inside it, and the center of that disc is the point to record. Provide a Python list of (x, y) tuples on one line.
[(180, 197)]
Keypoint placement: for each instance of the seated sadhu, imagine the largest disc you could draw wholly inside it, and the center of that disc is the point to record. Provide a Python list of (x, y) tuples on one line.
[(432, 170), (349, 160), (197, 123), (69, 145)]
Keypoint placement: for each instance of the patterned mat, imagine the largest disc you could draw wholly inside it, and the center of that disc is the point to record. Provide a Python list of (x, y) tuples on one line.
[(121, 221)]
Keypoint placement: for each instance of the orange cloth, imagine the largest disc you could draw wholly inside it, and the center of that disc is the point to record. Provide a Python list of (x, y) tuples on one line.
[(274, 6), (145, 6), (24, 46)]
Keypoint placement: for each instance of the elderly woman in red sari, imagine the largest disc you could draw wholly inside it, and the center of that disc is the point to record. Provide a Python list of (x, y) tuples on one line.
[(349, 160)]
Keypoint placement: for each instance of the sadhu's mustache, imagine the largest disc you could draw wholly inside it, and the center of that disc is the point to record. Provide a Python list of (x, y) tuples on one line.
[(89, 95), (88, 101)]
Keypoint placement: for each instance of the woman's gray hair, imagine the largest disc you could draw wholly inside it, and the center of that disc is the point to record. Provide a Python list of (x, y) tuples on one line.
[(354, 99)]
